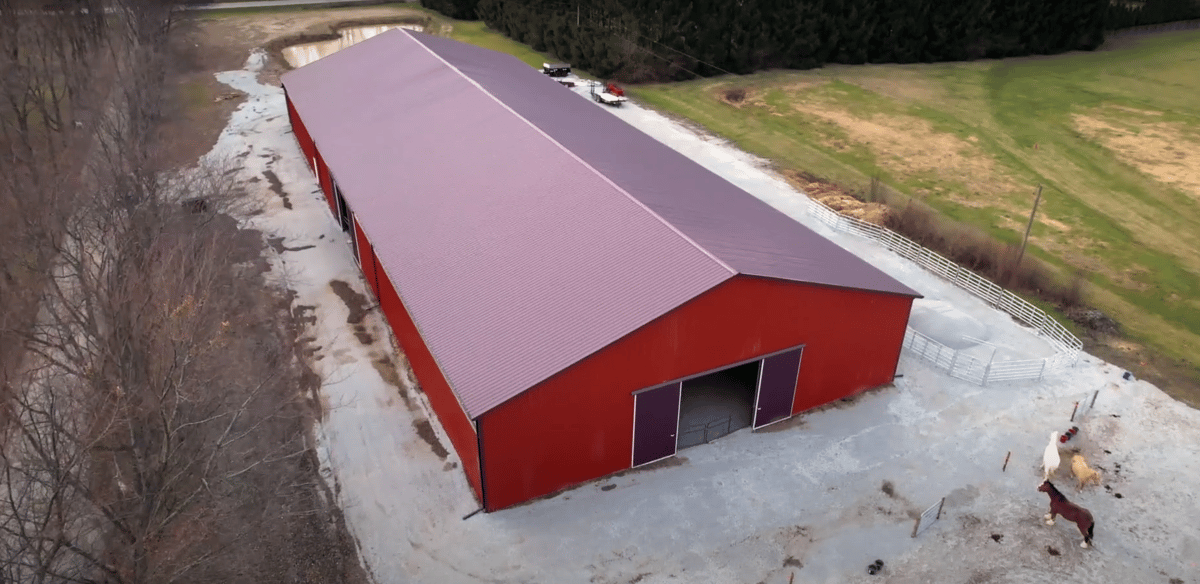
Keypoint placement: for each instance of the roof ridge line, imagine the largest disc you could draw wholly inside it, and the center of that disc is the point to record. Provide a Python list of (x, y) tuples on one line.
[(576, 157)]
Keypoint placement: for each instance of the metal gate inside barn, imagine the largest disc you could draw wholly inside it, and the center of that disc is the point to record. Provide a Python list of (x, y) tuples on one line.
[(657, 431)]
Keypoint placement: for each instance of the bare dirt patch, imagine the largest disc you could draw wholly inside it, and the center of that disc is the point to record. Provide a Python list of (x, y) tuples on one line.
[(206, 45), (1179, 379), (277, 188), (425, 431), (391, 374), (1166, 151), (909, 147), (734, 95), (358, 305), (740, 97), (355, 301), (203, 104)]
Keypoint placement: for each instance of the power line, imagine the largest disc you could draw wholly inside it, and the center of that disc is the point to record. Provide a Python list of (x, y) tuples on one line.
[(687, 55), (566, 7), (653, 54)]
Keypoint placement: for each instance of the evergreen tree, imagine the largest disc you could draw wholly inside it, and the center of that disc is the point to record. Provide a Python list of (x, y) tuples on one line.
[(671, 39)]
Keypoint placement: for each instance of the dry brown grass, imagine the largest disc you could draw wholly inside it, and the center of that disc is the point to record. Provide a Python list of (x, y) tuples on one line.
[(908, 146), (1167, 151)]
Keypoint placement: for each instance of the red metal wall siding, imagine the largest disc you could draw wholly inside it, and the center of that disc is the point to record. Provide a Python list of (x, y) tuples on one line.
[(578, 424), (310, 153), (301, 133), (451, 415), (326, 181)]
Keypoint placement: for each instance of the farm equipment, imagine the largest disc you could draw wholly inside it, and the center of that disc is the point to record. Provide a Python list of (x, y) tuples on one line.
[(608, 93)]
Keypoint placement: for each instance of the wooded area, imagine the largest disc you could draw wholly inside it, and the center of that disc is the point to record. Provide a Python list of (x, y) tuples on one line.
[(1127, 14), (678, 39), (152, 422)]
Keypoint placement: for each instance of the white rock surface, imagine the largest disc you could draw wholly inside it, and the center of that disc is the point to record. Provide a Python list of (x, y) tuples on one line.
[(805, 498)]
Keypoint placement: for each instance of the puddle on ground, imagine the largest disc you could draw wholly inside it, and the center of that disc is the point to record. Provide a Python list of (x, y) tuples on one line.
[(301, 55)]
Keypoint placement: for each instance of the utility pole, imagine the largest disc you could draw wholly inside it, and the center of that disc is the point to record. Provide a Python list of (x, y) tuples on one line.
[(1025, 241)]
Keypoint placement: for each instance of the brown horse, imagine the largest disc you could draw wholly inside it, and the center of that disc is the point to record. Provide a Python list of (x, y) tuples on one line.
[(1059, 505)]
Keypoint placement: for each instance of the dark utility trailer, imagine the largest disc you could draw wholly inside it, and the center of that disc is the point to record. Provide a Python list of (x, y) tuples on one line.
[(556, 69)]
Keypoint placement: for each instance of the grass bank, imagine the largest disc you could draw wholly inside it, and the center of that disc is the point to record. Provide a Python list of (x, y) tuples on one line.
[(1113, 135)]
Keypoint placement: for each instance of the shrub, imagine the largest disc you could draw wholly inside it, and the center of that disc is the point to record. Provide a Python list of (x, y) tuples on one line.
[(975, 250)]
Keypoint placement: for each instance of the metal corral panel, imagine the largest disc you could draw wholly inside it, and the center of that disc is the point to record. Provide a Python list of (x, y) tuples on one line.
[(579, 424), (514, 258)]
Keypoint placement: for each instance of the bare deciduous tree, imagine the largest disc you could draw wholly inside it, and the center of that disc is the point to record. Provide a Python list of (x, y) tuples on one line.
[(49, 61), (146, 400), (153, 423)]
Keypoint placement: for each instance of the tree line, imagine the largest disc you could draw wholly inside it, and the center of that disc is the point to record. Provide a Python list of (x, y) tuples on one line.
[(1125, 14), (151, 425), (679, 39)]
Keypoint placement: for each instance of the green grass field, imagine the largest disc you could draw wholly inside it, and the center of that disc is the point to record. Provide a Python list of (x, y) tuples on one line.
[(1113, 135), (476, 33)]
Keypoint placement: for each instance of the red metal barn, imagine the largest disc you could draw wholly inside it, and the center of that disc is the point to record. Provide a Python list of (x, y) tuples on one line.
[(574, 297)]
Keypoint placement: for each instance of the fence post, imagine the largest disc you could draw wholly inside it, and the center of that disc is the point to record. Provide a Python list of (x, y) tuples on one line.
[(986, 290), (987, 370)]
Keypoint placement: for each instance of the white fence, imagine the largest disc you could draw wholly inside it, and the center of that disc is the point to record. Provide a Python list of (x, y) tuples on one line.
[(957, 364)]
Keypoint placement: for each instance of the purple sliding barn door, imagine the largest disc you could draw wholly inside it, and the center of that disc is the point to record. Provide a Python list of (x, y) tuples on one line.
[(655, 423), (776, 387)]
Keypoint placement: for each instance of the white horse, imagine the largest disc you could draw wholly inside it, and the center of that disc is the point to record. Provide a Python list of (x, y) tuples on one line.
[(1050, 459)]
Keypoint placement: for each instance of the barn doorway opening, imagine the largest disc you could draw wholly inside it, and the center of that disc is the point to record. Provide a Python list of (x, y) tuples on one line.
[(717, 404)]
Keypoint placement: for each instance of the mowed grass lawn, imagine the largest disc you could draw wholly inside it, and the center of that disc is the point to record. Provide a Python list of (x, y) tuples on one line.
[(477, 33), (1113, 135)]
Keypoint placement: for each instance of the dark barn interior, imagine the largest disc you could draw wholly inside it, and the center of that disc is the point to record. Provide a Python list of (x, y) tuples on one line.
[(717, 404)]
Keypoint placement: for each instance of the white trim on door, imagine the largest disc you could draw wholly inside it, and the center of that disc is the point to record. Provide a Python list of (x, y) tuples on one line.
[(678, 406), (792, 403)]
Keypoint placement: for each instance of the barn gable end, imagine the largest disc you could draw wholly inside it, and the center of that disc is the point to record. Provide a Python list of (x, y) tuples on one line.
[(516, 235)]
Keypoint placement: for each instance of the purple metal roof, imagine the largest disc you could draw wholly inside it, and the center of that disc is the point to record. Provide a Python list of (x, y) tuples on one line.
[(524, 227), (513, 257), (747, 234)]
